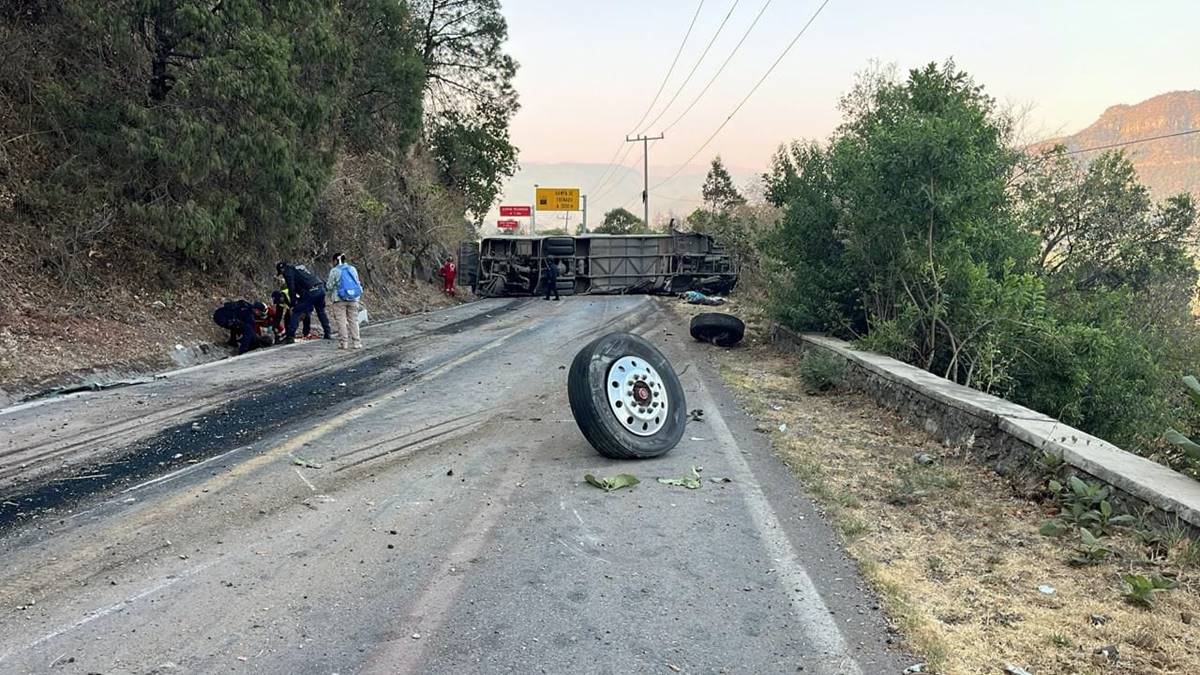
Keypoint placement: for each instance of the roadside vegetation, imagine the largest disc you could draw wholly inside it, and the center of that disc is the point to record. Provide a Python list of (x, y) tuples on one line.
[(183, 146), (922, 229), (974, 574)]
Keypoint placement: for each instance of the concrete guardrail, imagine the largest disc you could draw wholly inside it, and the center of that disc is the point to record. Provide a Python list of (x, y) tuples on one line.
[(1003, 434)]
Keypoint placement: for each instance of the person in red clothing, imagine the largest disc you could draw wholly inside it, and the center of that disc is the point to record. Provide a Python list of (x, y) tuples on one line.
[(448, 272)]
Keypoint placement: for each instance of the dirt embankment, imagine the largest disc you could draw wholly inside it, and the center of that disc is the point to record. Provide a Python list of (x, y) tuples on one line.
[(133, 316)]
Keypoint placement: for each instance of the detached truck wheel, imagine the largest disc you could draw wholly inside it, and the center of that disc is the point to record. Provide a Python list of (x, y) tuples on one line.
[(626, 398), (724, 330)]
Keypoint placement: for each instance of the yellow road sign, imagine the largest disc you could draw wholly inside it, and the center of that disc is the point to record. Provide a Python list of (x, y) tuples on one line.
[(557, 199)]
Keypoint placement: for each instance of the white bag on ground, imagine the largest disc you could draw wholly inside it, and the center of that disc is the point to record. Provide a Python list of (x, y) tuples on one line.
[(363, 317)]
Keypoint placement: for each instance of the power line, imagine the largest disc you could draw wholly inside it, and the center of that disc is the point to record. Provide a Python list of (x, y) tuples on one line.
[(670, 71), (614, 180), (758, 84), (1138, 140), (697, 64), (720, 70)]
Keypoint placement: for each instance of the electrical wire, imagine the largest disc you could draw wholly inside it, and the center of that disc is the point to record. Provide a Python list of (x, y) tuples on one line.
[(670, 71), (708, 85), (700, 60), (747, 97), (1137, 140)]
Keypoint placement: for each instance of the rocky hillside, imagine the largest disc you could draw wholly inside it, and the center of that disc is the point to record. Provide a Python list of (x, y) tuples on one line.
[(1168, 166)]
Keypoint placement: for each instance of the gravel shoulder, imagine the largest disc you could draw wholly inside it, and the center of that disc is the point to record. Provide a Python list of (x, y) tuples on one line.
[(955, 551)]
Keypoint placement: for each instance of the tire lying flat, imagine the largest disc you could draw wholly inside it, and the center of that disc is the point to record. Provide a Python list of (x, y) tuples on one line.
[(724, 330), (648, 398)]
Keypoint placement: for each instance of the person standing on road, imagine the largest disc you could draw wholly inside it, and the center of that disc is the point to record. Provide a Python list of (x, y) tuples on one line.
[(345, 290), (551, 277), (307, 293), (448, 272)]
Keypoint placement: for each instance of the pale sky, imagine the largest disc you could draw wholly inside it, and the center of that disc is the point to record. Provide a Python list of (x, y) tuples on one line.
[(589, 69)]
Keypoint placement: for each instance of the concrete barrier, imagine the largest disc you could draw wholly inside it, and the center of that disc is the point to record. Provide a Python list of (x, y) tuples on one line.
[(1009, 437)]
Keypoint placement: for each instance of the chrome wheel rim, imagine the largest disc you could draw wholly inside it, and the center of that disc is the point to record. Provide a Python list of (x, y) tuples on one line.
[(637, 396)]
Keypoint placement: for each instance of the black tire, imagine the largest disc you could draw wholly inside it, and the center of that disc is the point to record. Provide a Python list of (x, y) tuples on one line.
[(587, 390), (558, 247), (724, 330)]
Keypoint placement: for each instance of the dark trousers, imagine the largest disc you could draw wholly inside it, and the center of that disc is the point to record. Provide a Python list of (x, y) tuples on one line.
[(552, 285), (310, 302), (248, 337)]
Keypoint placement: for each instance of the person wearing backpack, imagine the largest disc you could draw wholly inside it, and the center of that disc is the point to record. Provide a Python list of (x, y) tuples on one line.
[(345, 290), (306, 293)]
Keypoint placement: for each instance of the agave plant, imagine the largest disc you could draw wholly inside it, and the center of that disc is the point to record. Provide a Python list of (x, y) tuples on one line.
[(1190, 447)]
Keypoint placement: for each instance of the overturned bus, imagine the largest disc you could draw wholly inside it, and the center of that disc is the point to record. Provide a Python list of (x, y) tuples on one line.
[(597, 263)]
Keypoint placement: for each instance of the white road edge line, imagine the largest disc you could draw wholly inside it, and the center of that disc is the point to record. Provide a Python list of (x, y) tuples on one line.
[(814, 616), (168, 374), (112, 609)]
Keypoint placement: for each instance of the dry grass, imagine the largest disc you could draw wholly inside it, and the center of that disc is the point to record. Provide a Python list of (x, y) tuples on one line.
[(955, 555)]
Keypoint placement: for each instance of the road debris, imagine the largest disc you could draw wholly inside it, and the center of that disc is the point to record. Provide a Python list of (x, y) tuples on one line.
[(696, 415), (1015, 670), (924, 459), (714, 479), (1108, 653), (915, 668), (300, 461), (1046, 590), (690, 481), (698, 298), (611, 483)]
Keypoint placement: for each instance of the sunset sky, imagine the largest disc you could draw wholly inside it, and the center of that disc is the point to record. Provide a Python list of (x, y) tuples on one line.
[(589, 69)]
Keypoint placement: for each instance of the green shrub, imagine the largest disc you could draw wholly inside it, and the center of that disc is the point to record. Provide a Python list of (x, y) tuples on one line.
[(1141, 589), (821, 371)]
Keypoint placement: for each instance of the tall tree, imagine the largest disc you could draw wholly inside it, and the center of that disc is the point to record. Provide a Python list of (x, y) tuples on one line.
[(719, 192), (470, 98), (474, 158), (621, 221)]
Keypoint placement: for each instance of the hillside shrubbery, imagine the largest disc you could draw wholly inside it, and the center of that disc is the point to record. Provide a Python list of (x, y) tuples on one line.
[(214, 130), (919, 230)]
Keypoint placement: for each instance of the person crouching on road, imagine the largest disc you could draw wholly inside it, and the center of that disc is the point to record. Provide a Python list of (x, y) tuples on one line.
[(551, 278), (307, 294), (345, 290), (448, 272), (242, 320)]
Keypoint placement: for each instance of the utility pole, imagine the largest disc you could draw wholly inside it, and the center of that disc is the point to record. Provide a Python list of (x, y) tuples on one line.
[(533, 212), (566, 218), (584, 226), (645, 141)]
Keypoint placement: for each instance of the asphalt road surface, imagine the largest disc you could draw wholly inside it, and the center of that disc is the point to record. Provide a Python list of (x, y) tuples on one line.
[(414, 507)]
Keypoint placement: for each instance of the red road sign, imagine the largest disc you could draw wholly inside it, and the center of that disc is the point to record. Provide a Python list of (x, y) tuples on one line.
[(516, 211), (508, 224)]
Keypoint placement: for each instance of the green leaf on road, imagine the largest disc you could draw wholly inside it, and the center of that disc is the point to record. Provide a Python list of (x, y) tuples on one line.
[(612, 482), (300, 461), (691, 481)]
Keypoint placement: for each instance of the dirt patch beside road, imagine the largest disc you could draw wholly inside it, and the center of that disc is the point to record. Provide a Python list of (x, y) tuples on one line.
[(46, 341), (957, 556)]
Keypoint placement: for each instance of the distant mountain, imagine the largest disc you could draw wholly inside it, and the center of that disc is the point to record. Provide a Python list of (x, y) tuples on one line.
[(1167, 166), (675, 199)]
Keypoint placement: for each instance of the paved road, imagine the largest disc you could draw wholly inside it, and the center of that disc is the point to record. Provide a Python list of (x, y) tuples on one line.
[(440, 524)]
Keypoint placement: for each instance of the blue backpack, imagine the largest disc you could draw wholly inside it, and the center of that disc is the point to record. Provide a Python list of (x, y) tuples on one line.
[(348, 289)]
